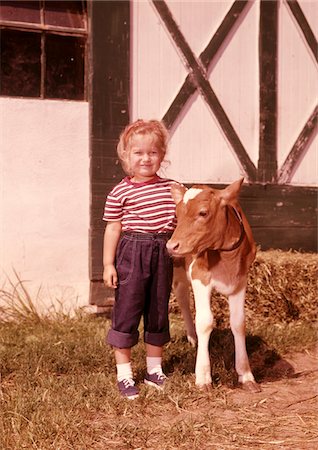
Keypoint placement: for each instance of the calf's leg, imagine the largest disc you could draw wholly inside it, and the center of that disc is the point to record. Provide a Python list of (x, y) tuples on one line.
[(237, 322), (181, 288), (203, 325)]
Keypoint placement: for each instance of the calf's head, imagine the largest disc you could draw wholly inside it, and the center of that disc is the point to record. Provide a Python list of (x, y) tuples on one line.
[(202, 218)]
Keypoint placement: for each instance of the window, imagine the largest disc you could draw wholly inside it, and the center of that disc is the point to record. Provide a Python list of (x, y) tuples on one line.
[(43, 49)]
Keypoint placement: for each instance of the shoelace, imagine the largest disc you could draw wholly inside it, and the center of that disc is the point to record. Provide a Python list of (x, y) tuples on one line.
[(161, 376), (128, 382)]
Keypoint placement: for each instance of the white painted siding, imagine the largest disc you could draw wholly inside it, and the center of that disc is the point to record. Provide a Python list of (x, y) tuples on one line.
[(44, 197)]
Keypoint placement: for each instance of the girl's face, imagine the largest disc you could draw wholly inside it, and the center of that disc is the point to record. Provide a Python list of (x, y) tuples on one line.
[(144, 158)]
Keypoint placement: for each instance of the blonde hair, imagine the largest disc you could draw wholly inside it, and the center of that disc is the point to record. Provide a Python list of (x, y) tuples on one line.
[(153, 128)]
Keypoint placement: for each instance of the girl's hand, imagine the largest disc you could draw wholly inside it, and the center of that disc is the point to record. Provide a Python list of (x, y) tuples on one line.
[(110, 276)]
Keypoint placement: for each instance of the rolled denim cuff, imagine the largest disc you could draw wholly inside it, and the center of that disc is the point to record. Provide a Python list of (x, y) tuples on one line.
[(122, 340), (158, 339)]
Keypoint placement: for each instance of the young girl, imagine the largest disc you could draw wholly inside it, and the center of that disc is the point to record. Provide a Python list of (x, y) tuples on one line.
[(140, 215)]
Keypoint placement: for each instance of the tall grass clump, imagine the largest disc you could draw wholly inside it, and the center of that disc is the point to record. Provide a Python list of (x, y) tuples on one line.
[(16, 303), (20, 303)]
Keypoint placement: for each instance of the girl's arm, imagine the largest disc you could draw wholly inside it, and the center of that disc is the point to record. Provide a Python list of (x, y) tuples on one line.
[(111, 238)]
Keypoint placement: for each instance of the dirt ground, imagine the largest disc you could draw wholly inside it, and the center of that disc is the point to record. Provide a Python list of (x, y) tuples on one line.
[(290, 394), (283, 416), (294, 383)]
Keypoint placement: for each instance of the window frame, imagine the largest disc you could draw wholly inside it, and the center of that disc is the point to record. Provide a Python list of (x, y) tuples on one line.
[(44, 30)]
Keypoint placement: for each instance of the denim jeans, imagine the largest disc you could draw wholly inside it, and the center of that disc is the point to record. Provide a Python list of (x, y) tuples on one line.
[(145, 271)]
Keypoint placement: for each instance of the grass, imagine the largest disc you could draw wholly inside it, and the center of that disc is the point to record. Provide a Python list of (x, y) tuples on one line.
[(58, 390), (58, 385)]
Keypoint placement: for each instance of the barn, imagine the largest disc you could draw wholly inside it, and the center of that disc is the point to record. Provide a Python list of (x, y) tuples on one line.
[(234, 81)]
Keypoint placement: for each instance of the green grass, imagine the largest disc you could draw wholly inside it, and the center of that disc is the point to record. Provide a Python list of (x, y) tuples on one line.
[(58, 387)]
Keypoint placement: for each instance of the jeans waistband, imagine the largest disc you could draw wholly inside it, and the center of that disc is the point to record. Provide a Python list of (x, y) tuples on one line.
[(146, 236)]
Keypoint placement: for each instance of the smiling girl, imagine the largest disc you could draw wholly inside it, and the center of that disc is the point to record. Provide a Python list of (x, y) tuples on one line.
[(140, 215)]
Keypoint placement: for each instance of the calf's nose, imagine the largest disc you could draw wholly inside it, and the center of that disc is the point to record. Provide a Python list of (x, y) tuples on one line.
[(172, 246)]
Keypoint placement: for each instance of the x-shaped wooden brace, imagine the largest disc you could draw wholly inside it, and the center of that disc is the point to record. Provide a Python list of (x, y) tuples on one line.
[(197, 78)]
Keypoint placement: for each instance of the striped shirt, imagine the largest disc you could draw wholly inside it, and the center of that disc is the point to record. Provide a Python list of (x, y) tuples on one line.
[(146, 207)]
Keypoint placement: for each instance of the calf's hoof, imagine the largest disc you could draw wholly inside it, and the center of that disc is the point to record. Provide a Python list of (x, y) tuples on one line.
[(205, 387), (192, 340), (251, 386)]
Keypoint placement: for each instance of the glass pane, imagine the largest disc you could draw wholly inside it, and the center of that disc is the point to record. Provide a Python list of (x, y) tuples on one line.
[(64, 14), (64, 67), (20, 63), (20, 11)]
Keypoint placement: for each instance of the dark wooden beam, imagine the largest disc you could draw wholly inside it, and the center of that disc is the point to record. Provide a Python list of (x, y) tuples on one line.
[(268, 35), (304, 26), (109, 113), (201, 82), (299, 149), (206, 58)]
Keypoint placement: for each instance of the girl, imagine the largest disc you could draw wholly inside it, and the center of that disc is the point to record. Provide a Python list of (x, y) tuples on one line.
[(140, 215)]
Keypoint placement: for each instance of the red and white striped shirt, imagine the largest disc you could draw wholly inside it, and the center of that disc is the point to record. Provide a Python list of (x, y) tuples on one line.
[(146, 207)]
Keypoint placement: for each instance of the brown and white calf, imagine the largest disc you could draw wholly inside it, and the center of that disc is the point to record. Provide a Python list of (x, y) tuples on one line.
[(216, 242)]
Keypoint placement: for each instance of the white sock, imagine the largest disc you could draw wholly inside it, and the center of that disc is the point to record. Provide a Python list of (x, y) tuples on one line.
[(154, 364), (124, 371)]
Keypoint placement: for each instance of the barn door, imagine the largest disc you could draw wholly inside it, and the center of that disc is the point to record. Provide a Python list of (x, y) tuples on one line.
[(236, 83)]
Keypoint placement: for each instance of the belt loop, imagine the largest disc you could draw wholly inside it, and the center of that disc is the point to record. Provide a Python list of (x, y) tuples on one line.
[(147, 236)]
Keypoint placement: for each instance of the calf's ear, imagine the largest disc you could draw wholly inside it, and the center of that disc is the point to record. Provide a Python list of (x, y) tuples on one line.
[(231, 192), (177, 192)]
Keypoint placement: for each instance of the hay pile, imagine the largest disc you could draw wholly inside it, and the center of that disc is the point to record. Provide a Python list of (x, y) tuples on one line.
[(282, 287)]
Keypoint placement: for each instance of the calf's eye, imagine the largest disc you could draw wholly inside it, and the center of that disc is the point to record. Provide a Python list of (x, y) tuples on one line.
[(203, 213)]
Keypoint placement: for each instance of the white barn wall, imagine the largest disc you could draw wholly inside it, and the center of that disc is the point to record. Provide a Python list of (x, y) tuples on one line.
[(44, 198)]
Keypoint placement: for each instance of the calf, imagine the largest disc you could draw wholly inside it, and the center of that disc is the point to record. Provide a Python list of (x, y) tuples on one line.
[(215, 241)]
